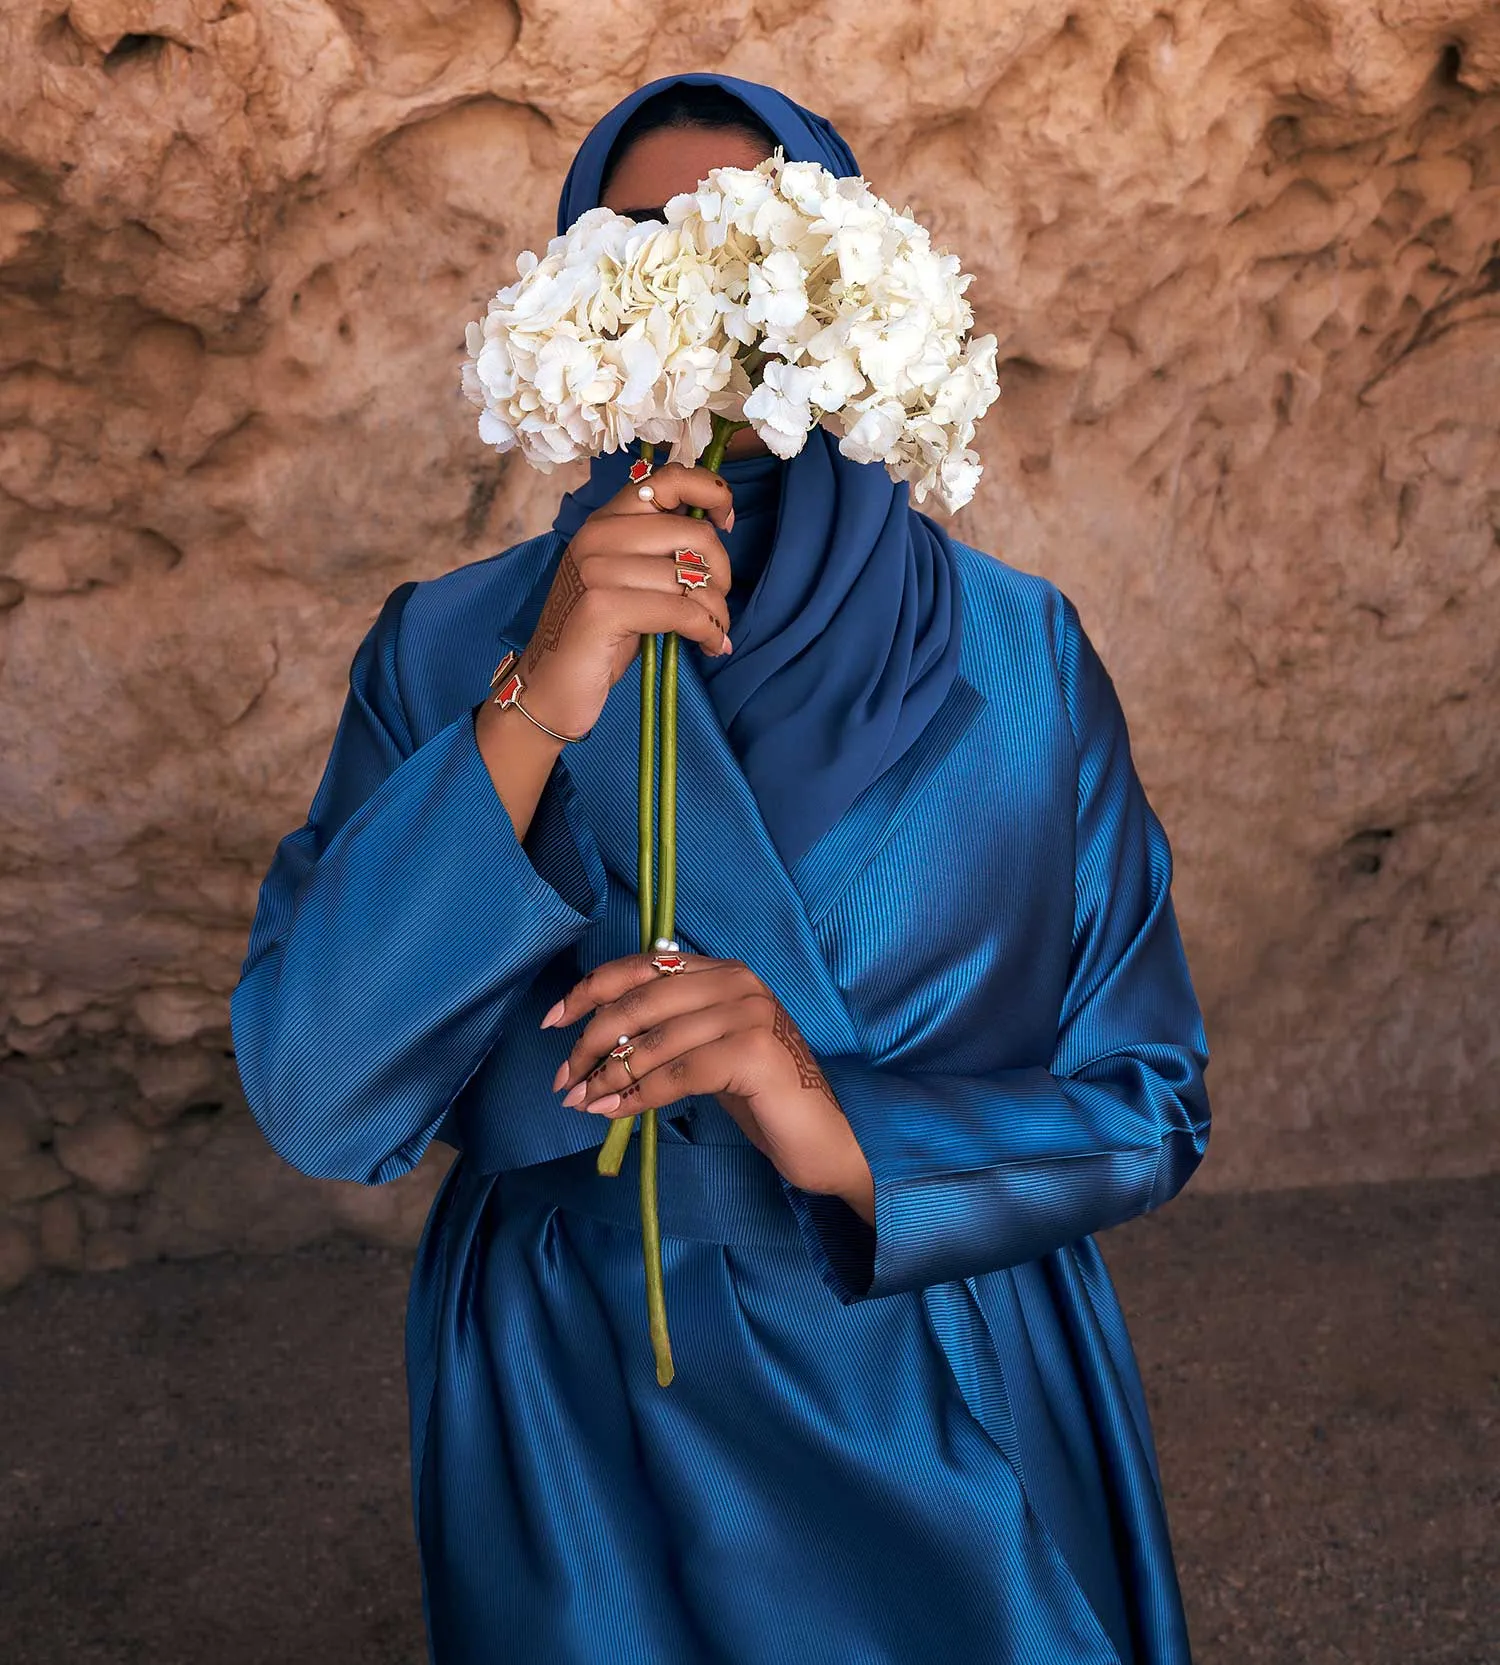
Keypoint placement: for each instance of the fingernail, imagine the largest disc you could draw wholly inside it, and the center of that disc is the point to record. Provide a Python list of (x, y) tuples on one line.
[(608, 1102), (728, 645), (561, 1076), (729, 523), (553, 1015), (575, 1098)]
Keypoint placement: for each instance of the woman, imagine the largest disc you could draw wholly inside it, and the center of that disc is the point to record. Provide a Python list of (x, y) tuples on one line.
[(935, 1029)]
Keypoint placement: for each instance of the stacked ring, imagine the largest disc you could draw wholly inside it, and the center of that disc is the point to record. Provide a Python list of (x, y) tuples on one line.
[(692, 569)]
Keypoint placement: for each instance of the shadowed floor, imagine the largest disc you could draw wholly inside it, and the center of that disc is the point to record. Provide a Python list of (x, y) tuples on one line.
[(206, 1461)]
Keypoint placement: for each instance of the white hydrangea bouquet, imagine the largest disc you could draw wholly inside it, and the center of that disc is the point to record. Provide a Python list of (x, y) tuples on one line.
[(779, 298)]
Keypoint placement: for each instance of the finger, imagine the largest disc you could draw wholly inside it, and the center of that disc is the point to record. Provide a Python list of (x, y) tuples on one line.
[(600, 543), (675, 486), (609, 981), (653, 567), (711, 1068), (656, 1047), (645, 1005), (685, 614), (623, 613)]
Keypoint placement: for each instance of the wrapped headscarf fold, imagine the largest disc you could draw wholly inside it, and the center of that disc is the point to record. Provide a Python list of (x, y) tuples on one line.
[(850, 640)]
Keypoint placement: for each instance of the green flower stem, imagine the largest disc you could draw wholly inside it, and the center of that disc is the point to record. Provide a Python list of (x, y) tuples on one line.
[(666, 893), (612, 1151), (656, 1301), (666, 790), (645, 853), (658, 905)]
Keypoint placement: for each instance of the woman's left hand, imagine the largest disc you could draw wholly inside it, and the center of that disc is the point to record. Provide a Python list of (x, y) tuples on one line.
[(713, 1028)]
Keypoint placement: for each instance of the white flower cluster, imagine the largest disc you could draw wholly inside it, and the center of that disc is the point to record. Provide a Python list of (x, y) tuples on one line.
[(778, 296)]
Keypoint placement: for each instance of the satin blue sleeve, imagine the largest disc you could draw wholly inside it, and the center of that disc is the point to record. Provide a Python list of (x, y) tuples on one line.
[(973, 1174), (396, 929)]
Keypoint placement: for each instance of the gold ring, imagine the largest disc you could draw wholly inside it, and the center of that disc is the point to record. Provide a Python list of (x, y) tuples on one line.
[(622, 1050), (692, 569)]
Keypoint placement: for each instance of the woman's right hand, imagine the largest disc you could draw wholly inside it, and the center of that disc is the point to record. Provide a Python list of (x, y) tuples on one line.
[(617, 582)]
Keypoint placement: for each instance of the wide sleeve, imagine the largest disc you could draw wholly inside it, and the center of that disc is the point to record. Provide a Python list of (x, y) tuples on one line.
[(975, 1173), (395, 931)]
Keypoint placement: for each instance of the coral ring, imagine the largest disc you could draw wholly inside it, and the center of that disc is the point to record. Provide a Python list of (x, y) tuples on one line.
[(640, 470), (692, 569)]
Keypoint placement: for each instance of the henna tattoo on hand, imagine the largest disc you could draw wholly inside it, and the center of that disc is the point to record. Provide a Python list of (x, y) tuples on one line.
[(808, 1072), (567, 591), (809, 1075)]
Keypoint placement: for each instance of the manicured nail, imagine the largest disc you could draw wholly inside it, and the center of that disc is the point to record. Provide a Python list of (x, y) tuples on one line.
[(608, 1102), (561, 1076), (729, 520), (728, 645), (553, 1015), (575, 1098)]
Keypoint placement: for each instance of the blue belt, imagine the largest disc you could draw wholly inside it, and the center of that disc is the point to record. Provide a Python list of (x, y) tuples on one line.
[(716, 1193)]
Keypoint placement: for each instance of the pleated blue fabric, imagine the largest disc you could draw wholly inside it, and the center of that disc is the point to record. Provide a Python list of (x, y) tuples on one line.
[(922, 1441)]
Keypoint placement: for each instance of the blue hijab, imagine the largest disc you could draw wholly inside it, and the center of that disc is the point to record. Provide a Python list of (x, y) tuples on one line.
[(849, 640)]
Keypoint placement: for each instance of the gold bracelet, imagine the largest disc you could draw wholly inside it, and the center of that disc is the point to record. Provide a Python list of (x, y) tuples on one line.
[(508, 694)]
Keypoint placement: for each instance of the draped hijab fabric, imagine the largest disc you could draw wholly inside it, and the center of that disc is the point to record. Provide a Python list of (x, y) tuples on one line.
[(852, 640)]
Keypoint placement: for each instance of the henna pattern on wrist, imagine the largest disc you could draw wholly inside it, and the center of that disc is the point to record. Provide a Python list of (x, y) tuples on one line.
[(808, 1072), (567, 591)]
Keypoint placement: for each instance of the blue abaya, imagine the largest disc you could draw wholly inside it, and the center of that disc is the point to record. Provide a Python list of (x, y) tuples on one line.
[(924, 1441)]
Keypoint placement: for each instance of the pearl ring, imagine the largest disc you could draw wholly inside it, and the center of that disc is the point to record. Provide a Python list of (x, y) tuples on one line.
[(622, 1050)]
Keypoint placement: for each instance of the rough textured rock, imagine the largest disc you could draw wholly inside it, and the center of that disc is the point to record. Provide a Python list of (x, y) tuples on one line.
[(1244, 263), (18, 1255), (108, 1152), (59, 1229), (26, 1178)]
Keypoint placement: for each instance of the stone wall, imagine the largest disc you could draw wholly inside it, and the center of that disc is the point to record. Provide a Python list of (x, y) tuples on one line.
[(1244, 264)]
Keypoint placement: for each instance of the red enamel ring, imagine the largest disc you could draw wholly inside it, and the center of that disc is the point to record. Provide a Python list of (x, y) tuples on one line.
[(692, 569)]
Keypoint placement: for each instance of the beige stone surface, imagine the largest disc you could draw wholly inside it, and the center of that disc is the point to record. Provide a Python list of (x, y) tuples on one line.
[(1244, 264), (109, 1153), (27, 1178)]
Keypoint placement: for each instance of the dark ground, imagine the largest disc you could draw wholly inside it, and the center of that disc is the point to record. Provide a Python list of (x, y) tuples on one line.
[(205, 1463)]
